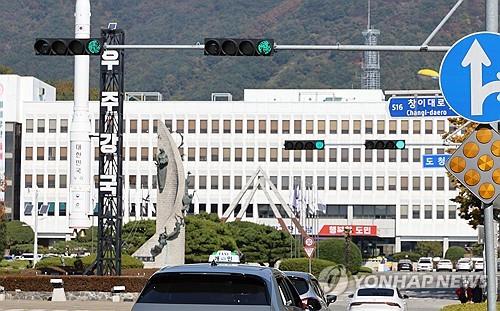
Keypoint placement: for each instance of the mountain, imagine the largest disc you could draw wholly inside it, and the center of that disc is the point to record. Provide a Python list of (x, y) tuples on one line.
[(190, 75)]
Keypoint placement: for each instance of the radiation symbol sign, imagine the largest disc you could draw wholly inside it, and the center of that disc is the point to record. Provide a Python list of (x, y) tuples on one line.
[(476, 163)]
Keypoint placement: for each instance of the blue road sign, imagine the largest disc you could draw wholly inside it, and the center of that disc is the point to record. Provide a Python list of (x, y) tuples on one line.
[(470, 77), (434, 160), (419, 107)]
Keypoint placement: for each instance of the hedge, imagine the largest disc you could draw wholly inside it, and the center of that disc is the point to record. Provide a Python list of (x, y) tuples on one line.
[(128, 262), (454, 253), (406, 255), (302, 264), (40, 283), (335, 249)]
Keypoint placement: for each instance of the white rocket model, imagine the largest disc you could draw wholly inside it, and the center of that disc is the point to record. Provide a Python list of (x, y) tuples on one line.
[(79, 187)]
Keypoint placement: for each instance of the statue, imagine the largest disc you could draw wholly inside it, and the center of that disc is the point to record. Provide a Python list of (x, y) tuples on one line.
[(161, 166), (165, 236)]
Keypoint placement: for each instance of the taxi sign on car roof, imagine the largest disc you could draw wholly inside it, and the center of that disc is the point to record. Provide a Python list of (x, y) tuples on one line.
[(224, 257)]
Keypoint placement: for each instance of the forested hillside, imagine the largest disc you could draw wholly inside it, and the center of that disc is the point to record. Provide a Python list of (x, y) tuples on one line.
[(190, 75)]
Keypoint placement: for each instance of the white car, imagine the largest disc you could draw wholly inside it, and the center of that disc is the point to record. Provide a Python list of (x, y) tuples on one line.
[(478, 264), (425, 264), (464, 264), (377, 299), (444, 265)]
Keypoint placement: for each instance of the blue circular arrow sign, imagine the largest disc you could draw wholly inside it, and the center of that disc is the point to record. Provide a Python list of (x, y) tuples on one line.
[(470, 77)]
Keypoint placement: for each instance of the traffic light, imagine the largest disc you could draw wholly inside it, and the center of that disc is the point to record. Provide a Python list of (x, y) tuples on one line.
[(71, 46), (398, 144), (304, 144), (238, 47)]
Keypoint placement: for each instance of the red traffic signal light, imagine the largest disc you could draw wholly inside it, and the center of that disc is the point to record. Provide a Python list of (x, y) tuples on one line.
[(68, 46), (238, 47)]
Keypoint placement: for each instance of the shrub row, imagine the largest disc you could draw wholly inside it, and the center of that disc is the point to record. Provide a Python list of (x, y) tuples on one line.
[(73, 283), (302, 264)]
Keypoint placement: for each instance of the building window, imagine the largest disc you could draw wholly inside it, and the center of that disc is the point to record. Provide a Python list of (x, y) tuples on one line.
[(321, 127), (133, 126), (404, 155), (226, 182), (344, 155), (440, 127), (368, 183), (250, 126), (380, 127), (144, 182), (368, 126), (440, 183), (452, 212), (297, 126), (274, 154), (285, 127), (214, 182), (39, 181), (203, 154), (380, 155), (285, 155), (250, 154), (191, 126), (309, 155), (368, 155), (356, 127), (28, 181), (168, 124), (428, 211), (285, 183), (440, 211), (392, 183), (428, 127), (356, 183), (380, 183), (416, 155), (63, 181), (428, 183), (29, 125), (226, 126), (335, 211), (62, 208), (144, 154), (404, 182), (332, 182), (226, 154), (416, 183), (451, 185), (154, 181), (345, 126), (40, 153), (321, 155), (52, 208), (132, 211), (202, 182), (237, 182), (203, 126), (392, 155), (404, 126), (262, 154), (344, 183), (416, 212), (63, 153), (214, 154), (238, 154), (332, 154), (51, 181), (96, 153), (215, 126), (155, 126), (52, 125), (144, 126), (132, 154), (297, 155), (404, 212), (29, 153), (416, 126), (309, 127), (393, 127), (180, 126), (40, 126), (333, 126), (132, 181), (356, 155), (262, 127), (238, 126), (320, 182)]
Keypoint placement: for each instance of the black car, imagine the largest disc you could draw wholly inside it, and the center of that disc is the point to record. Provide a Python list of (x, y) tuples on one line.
[(405, 265), (310, 291)]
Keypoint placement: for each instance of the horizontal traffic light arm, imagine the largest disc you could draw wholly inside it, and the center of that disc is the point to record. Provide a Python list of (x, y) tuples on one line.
[(238, 47), (394, 144), (68, 46), (316, 144)]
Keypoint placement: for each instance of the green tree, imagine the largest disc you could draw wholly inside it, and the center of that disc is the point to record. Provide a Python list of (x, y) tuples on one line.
[(302, 264), (260, 243), (65, 90), (205, 235), (335, 250), (18, 233), (429, 248), (3, 232), (454, 253), (4, 70), (136, 233)]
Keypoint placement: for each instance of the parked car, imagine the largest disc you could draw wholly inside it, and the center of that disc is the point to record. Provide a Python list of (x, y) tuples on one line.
[(377, 298), (217, 287), (425, 264), (478, 264), (444, 265), (405, 265), (464, 264), (308, 288)]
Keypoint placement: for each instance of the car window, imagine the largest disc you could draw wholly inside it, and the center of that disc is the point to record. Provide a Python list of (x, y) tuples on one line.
[(425, 261), (295, 295), (383, 292), (291, 295), (300, 284), (211, 289), (317, 288)]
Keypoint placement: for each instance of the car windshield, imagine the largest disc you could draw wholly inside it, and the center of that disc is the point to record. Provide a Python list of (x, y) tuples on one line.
[(209, 289), (383, 292), (444, 261), (300, 284), (463, 261), (404, 261), (425, 261)]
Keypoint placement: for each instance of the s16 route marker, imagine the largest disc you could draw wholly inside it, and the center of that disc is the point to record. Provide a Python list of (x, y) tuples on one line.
[(419, 107)]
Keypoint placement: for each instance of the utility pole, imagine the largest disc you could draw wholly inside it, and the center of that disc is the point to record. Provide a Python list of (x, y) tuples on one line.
[(489, 222)]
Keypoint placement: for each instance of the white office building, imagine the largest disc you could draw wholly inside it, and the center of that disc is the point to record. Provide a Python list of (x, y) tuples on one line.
[(390, 201)]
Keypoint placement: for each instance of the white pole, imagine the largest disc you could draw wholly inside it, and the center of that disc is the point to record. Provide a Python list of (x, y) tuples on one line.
[(35, 239), (80, 128)]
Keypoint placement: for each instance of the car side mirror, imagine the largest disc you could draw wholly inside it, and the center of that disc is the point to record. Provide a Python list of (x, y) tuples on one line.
[(331, 299), (350, 296), (406, 297), (313, 304)]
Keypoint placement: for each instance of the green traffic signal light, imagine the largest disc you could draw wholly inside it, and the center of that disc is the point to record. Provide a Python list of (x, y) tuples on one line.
[(264, 47), (94, 47), (400, 144), (319, 144)]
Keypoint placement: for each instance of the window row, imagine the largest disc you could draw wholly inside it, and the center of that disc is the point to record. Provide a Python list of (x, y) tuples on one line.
[(51, 154), (48, 209), (428, 212), (46, 126), (46, 181), (230, 126)]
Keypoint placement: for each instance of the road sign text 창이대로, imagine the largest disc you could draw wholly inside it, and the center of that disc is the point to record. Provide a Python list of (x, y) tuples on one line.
[(419, 107), (470, 77), (434, 160)]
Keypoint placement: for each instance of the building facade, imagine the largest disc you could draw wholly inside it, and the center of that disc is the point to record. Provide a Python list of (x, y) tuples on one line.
[(389, 201)]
